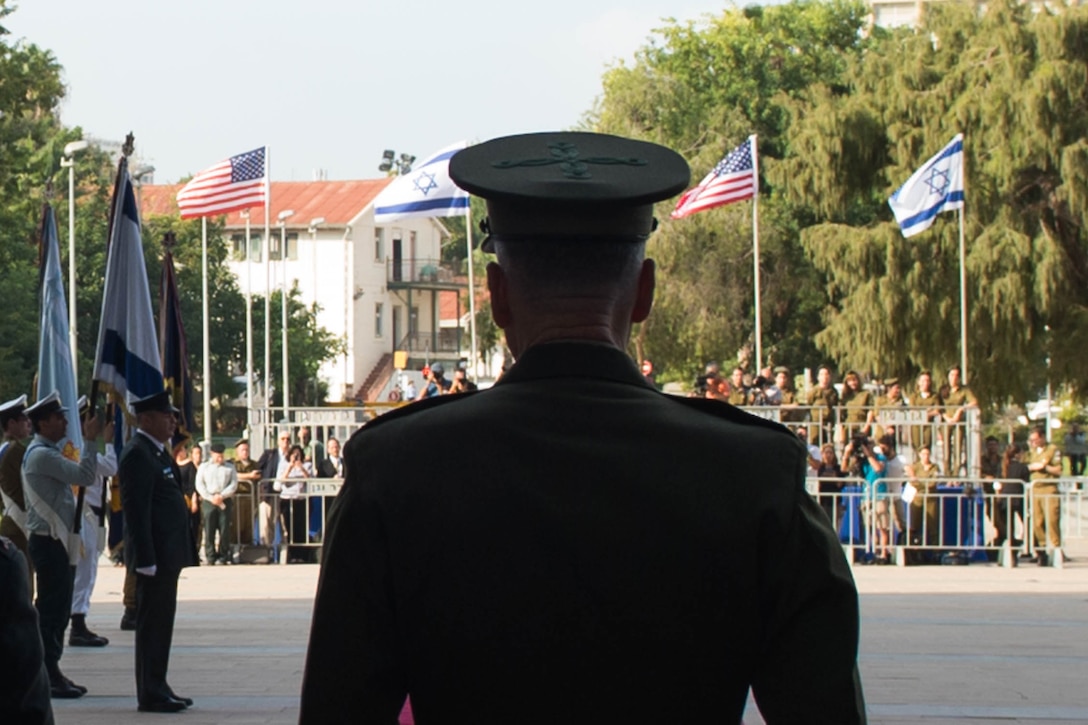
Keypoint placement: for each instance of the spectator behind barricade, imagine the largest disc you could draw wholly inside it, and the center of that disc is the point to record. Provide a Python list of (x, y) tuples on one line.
[(857, 407), (1009, 497), (955, 402), (922, 499), (333, 465), (702, 385), (830, 488), (216, 483), (772, 393), (895, 470), (813, 451), (824, 400), (436, 382), (1076, 450), (461, 383), (738, 391), (273, 464), (1044, 461), (886, 403), (312, 451), (249, 475), (410, 392), (649, 375), (292, 490), (788, 399), (867, 461), (187, 465), (923, 396)]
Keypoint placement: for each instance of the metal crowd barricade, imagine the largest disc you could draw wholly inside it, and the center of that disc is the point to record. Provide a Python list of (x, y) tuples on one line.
[(958, 522), (293, 528)]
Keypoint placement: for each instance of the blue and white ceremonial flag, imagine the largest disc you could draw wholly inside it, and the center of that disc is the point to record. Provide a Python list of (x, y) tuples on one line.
[(127, 357), (424, 192), (936, 187), (55, 352)]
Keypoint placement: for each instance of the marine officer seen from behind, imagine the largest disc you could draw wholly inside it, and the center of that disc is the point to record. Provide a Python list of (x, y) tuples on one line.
[(603, 552)]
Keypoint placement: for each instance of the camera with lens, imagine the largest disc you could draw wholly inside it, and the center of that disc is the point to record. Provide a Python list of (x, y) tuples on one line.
[(858, 445)]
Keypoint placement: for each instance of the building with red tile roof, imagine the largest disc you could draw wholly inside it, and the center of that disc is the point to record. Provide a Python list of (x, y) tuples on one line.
[(382, 287)]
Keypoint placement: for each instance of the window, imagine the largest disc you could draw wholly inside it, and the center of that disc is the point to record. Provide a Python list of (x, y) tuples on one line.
[(292, 246), (238, 247), (274, 246), (379, 244), (256, 247), (379, 311)]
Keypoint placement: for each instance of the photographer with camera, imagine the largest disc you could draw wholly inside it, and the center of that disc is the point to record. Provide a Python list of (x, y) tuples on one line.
[(867, 461)]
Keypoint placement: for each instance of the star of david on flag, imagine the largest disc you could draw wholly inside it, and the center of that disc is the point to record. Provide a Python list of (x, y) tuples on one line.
[(936, 187), (426, 191)]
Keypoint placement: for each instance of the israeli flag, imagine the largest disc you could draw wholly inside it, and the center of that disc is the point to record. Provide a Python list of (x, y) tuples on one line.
[(127, 357), (424, 192), (55, 352), (936, 187)]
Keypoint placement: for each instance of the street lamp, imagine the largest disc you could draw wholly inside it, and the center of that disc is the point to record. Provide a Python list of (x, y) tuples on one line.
[(69, 161), (281, 219), (314, 224), (390, 162)]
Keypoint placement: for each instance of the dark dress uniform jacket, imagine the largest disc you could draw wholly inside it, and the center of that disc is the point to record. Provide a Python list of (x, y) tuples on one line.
[(596, 552), (156, 519), (24, 684)]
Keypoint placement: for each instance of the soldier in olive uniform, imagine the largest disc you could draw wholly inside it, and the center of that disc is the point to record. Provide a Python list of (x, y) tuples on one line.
[(924, 397), (1045, 464), (738, 391), (887, 403), (924, 516), (16, 427), (824, 399), (955, 403), (857, 406)]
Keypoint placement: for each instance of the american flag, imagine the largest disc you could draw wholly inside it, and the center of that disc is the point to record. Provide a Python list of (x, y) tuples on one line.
[(733, 179), (237, 183)]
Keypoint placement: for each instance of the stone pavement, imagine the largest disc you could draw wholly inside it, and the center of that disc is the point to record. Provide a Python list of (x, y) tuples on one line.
[(975, 644)]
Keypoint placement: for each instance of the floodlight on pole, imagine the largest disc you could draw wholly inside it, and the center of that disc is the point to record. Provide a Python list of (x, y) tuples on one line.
[(70, 150), (391, 163), (281, 219)]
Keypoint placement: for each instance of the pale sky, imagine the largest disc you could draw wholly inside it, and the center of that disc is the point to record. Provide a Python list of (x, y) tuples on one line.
[(329, 84)]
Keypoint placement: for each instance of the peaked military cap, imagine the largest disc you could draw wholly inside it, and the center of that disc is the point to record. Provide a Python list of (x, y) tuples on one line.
[(155, 402), (781, 369), (46, 406), (218, 448), (569, 186), (12, 409), (889, 382)]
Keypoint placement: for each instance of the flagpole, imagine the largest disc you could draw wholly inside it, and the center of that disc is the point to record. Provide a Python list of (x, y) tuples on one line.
[(267, 283), (471, 290), (207, 341), (249, 324), (963, 300), (755, 249)]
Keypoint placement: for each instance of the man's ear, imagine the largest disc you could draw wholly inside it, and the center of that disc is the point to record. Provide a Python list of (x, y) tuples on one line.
[(644, 295), (500, 298)]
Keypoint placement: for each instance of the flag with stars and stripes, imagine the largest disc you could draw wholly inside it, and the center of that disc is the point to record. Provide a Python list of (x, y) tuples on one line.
[(232, 185), (733, 179)]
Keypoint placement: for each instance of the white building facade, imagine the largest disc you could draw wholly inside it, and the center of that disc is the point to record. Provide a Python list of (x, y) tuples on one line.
[(382, 288)]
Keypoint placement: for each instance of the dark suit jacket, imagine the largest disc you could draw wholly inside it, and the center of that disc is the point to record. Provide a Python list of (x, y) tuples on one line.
[(268, 463), (601, 553), (24, 687), (157, 528)]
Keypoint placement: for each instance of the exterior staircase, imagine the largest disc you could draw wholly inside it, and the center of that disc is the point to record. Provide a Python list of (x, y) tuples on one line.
[(377, 379)]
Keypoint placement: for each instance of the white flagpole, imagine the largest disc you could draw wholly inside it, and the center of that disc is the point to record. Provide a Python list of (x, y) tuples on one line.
[(207, 341), (267, 282), (755, 249), (471, 292), (249, 325), (963, 299)]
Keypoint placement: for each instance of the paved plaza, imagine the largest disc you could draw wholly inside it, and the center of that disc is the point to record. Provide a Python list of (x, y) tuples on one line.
[(940, 644)]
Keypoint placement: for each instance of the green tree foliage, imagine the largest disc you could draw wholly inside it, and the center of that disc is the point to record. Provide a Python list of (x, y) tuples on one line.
[(702, 87), (30, 143), (1012, 80)]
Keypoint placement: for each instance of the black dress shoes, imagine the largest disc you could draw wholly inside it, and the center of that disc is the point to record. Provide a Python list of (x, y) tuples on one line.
[(86, 638), (187, 700), (168, 705), (62, 689), (128, 621), (81, 688)]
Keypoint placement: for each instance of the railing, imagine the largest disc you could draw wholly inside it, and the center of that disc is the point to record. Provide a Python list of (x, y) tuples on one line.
[(952, 520), (446, 340), (419, 271)]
